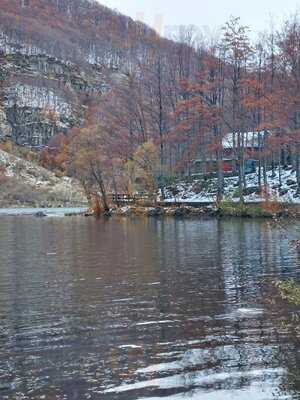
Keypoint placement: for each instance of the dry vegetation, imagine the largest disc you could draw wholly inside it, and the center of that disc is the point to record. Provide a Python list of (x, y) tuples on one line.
[(24, 183)]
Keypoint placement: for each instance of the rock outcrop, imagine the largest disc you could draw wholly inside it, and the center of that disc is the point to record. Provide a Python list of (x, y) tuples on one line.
[(5, 127), (43, 97), (55, 54)]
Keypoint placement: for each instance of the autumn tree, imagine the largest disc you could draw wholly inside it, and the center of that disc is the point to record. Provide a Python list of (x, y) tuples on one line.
[(289, 86), (55, 156), (237, 51), (90, 162), (145, 169), (200, 115)]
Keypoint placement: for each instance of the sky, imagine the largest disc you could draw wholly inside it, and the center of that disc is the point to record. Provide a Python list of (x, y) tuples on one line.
[(208, 15)]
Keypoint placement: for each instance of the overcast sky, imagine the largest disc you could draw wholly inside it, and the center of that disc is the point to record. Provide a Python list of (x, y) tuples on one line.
[(208, 15)]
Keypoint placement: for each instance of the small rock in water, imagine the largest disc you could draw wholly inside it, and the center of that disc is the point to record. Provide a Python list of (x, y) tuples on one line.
[(40, 214), (155, 212)]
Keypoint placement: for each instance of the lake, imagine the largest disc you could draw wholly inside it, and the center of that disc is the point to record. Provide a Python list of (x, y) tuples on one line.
[(146, 309), (51, 212)]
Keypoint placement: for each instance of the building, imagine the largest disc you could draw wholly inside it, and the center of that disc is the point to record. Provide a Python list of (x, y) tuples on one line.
[(252, 142)]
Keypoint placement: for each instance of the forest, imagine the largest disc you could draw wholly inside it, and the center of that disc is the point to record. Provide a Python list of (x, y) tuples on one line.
[(168, 101)]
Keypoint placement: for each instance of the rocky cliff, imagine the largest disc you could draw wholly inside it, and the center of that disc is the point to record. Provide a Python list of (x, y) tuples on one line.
[(43, 96), (53, 55)]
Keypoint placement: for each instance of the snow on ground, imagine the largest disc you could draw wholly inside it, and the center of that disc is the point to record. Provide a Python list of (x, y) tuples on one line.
[(205, 191)]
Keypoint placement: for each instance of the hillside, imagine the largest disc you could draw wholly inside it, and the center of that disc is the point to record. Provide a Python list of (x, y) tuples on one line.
[(119, 91), (205, 190), (25, 184), (55, 55)]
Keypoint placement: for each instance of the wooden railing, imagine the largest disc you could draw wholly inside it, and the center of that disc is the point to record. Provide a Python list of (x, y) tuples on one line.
[(146, 201), (121, 198)]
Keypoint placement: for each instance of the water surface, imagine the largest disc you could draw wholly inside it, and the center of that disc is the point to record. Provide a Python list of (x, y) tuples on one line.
[(144, 309), (57, 212)]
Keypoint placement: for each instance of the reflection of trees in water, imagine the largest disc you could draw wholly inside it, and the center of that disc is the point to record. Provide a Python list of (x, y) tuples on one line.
[(287, 331), (192, 286), (205, 270), (253, 250), (291, 361)]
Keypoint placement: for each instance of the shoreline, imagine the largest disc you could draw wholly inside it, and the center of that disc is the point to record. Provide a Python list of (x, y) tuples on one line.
[(42, 211), (265, 210), (188, 212)]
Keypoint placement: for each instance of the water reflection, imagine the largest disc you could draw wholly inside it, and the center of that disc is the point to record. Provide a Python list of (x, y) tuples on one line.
[(142, 309)]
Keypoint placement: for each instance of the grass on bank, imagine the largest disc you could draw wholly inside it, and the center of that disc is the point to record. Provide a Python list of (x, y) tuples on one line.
[(289, 291), (263, 210)]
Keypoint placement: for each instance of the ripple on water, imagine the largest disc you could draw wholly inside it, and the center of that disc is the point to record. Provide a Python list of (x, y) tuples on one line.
[(119, 310)]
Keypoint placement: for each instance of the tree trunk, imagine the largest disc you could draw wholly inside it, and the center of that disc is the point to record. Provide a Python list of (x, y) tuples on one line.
[(98, 177), (220, 176), (265, 168), (273, 165), (104, 198), (116, 191), (279, 168), (240, 168), (259, 161), (297, 157)]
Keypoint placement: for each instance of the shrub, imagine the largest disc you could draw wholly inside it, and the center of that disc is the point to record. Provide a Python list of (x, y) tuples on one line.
[(289, 291), (231, 209), (273, 207), (7, 146)]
